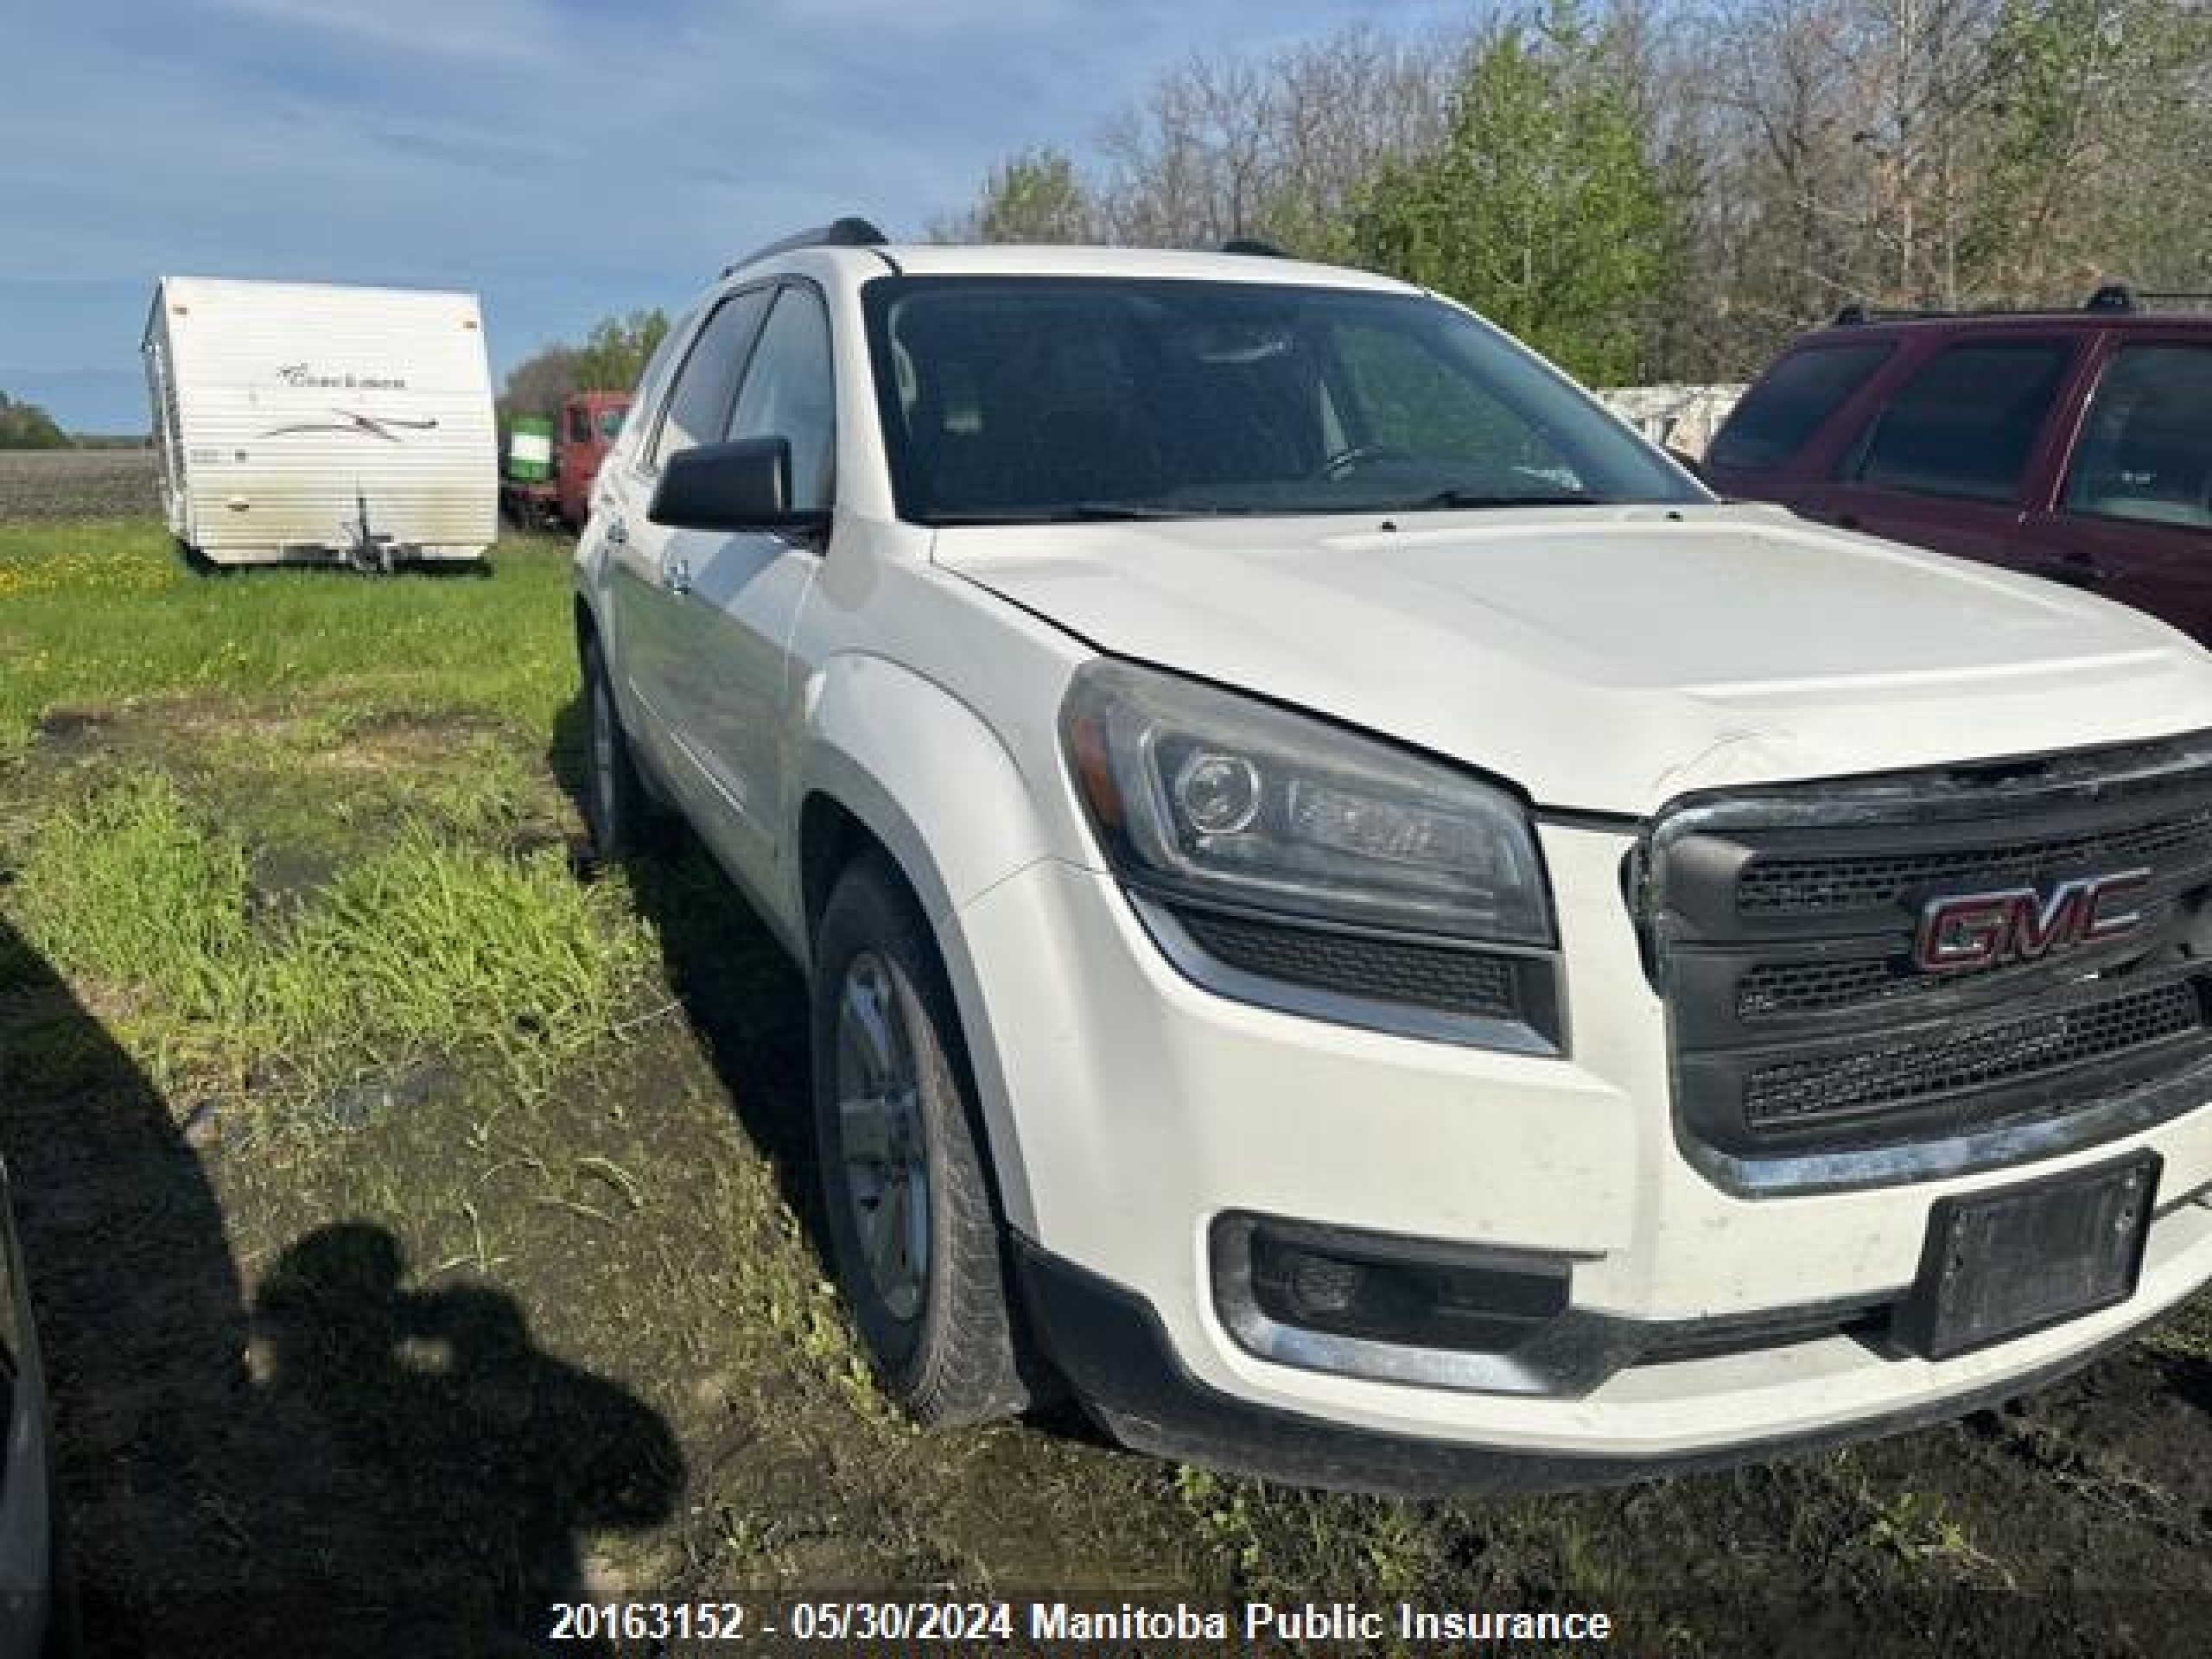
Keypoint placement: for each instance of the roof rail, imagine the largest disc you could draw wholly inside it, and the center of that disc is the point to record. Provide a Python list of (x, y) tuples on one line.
[(1857, 312), (1258, 247), (851, 231), (2113, 297), (2119, 296)]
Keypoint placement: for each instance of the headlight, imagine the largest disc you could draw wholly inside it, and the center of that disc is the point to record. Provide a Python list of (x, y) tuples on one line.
[(1283, 860)]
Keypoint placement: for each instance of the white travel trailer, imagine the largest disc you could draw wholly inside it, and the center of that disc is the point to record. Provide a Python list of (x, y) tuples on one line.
[(307, 423)]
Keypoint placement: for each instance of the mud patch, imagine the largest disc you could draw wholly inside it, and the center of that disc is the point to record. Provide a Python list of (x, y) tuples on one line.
[(69, 732)]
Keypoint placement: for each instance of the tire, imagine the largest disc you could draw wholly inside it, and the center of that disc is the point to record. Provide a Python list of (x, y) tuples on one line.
[(941, 1330), (619, 814)]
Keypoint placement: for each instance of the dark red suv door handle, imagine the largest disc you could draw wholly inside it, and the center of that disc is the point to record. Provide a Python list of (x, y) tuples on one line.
[(2076, 570), (1847, 521)]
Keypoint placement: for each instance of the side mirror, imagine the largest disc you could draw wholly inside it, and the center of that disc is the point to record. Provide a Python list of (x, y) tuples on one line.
[(744, 485)]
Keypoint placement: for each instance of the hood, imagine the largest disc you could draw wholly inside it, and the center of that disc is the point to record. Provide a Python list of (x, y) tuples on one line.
[(1610, 658)]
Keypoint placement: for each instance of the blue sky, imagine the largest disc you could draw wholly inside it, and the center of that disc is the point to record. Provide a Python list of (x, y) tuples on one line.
[(563, 158)]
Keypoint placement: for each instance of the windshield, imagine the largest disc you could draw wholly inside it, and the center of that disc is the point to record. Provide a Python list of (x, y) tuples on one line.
[(1026, 399)]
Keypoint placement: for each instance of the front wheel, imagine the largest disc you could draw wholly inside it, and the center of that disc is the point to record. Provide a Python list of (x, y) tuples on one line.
[(912, 1228), (617, 810)]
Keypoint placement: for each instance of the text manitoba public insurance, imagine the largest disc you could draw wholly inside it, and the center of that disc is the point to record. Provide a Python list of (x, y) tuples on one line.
[(1335, 1621)]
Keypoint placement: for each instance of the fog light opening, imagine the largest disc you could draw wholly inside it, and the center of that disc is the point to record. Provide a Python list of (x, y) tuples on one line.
[(1373, 1288)]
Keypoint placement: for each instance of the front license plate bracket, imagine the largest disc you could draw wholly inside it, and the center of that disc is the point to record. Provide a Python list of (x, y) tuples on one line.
[(2007, 1263)]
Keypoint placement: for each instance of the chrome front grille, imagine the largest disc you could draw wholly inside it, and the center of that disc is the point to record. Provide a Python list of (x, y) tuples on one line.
[(1810, 1046)]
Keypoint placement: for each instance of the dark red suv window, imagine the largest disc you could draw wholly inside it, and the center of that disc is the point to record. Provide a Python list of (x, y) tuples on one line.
[(1780, 415), (2146, 454), (1966, 424)]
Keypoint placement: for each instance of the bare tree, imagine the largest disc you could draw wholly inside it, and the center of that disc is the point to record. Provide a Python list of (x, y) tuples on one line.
[(1902, 152)]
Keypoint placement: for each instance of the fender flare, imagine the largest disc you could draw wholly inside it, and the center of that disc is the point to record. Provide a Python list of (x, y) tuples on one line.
[(924, 774)]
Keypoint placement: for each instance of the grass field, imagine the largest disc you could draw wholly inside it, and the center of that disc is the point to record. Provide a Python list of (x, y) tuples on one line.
[(417, 1226)]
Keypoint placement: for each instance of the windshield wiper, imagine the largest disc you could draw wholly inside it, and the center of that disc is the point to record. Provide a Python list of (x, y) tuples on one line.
[(1109, 509), (1485, 499), (1065, 513)]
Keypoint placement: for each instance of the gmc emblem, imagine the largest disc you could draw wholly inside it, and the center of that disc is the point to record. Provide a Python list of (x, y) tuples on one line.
[(1984, 930)]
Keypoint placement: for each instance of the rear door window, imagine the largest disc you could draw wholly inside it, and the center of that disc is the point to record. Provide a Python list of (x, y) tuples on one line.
[(1965, 426), (2146, 453), (1780, 415)]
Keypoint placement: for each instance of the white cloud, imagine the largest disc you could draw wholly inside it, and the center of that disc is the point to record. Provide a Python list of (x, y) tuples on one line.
[(509, 31)]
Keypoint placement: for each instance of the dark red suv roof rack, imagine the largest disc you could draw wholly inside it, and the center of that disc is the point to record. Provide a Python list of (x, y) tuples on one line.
[(2116, 297)]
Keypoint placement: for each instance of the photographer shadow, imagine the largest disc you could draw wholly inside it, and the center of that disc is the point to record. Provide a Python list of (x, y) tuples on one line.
[(476, 1459), (333, 1463)]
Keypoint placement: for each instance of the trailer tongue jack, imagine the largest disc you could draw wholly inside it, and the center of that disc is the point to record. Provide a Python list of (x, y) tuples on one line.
[(367, 551)]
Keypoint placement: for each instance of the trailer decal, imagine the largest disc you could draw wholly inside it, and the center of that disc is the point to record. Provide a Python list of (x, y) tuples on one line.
[(366, 425)]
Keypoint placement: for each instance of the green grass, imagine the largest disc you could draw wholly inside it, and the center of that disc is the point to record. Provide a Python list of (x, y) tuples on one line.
[(124, 892), (105, 613), (428, 949), (388, 738), (432, 948)]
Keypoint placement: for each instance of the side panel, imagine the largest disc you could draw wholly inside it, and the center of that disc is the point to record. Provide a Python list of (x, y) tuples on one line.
[(300, 407)]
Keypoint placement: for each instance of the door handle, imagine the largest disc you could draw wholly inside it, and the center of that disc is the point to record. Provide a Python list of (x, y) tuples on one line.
[(2076, 570), (1847, 521), (676, 574)]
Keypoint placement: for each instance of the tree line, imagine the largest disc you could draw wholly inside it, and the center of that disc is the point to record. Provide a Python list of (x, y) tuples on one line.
[(1650, 191), (25, 426), (611, 358)]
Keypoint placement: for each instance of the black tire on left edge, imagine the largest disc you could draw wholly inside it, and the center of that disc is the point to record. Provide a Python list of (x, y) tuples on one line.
[(943, 1338), (617, 809)]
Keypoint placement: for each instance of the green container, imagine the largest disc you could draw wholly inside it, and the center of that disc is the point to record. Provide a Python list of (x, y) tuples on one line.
[(530, 449)]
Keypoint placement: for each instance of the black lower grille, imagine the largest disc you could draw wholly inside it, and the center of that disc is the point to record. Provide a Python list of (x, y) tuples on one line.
[(1350, 964), (1975, 1058)]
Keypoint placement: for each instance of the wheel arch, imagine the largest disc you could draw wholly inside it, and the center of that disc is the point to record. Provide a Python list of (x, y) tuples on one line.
[(897, 768)]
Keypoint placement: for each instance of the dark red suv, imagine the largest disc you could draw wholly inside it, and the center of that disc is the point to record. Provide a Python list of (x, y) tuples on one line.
[(2075, 445)]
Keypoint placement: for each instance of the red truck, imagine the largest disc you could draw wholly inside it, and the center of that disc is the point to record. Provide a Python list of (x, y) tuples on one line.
[(536, 495)]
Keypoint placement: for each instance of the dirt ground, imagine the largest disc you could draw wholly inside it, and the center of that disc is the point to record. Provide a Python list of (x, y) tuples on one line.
[(37, 483), (393, 1366)]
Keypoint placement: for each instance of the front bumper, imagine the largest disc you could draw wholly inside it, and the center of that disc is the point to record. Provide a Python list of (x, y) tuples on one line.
[(1130, 1109), (1110, 1344)]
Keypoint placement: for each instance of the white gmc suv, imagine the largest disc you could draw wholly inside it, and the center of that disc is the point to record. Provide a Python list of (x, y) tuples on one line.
[(1362, 923)]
